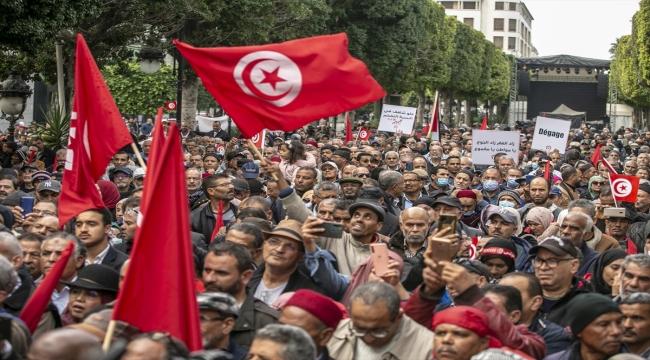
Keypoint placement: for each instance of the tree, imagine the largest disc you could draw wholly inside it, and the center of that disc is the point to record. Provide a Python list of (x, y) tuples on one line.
[(641, 41), (624, 71)]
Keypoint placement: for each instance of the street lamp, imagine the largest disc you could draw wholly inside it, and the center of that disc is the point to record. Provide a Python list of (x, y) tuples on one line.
[(13, 100), (150, 60)]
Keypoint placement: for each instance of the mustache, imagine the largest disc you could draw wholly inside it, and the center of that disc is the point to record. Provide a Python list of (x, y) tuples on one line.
[(275, 253)]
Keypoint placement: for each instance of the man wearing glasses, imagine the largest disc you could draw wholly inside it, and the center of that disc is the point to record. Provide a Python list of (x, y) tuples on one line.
[(555, 262), (218, 188)]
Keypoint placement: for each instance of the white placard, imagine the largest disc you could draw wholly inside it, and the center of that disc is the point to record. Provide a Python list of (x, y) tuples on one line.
[(395, 118), (487, 143), (551, 134), (205, 123)]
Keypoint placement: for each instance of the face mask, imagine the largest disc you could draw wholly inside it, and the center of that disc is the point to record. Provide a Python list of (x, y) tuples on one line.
[(512, 183), (469, 213), (443, 182), (490, 185), (507, 204), (534, 166), (308, 204)]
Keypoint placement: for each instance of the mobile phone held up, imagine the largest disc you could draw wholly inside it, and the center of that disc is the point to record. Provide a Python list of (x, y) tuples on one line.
[(27, 204), (379, 254), (332, 230)]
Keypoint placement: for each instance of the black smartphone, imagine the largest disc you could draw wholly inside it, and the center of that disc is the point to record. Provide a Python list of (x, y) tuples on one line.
[(5, 328), (27, 204), (409, 166), (332, 230)]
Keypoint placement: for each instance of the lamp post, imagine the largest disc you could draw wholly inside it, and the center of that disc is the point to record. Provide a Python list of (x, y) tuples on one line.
[(150, 59), (13, 100), (428, 103)]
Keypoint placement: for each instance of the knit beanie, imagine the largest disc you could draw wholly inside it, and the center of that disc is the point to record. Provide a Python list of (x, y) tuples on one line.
[(502, 249), (512, 194), (583, 309)]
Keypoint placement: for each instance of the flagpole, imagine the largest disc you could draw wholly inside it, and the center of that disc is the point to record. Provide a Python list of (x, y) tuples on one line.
[(109, 335), (433, 113), (137, 155), (256, 153)]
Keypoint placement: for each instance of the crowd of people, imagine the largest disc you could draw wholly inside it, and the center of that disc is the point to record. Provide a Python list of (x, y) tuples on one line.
[(536, 268)]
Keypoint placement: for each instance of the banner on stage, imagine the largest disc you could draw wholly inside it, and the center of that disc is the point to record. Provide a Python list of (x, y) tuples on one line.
[(397, 118), (205, 123), (486, 143), (551, 134)]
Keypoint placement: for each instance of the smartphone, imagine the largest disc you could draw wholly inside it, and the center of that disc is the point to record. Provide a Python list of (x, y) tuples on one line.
[(441, 249), (614, 212), (409, 166), (447, 221), (332, 230), (27, 204), (379, 253), (5, 328)]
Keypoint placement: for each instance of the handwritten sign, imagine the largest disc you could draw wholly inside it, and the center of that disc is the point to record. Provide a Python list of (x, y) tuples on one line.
[(487, 143), (551, 134), (395, 118)]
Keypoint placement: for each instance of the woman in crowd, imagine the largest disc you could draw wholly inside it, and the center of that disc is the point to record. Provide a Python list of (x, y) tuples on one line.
[(95, 285), (595, 184), (606, 268), (499, 257), (540, 223)]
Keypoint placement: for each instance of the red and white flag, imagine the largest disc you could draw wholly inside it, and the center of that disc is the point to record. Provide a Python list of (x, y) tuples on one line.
[(258, 139), (97, 132), (284, 86), (363, 134), (624, 188)]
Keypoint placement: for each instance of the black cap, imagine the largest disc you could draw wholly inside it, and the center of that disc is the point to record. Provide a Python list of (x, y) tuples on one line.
[(424, 201), (450, 201), (436, 193), (256, 187), (475, 267), (96, 277), (557, 246), (375, 207)]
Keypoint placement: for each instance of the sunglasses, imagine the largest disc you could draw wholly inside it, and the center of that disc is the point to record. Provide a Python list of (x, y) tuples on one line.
[(362, 175), (601, 183)]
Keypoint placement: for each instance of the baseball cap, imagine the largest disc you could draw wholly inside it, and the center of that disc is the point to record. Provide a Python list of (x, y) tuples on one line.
[(505, 215), (51, 185), (368, 204), (138, 173), (555, 191), (240, 185), (450, 201), (123, 170), (256, 187), (220, 302), (557, 246), (351, 180), (330, 163), (250, 170)]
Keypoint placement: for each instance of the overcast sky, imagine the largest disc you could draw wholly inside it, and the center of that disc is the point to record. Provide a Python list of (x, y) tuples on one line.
[(579, 27)]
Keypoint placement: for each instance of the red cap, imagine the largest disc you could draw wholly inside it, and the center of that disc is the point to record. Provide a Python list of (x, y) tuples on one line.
[(313, 143), (322, 307), (468, 318), (466, 194)]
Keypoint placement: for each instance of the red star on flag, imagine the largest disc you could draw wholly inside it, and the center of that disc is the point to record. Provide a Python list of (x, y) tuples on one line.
[(272, 77)]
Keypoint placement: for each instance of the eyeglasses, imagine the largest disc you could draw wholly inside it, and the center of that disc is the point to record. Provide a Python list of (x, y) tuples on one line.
[(277, 243), (43, 212), (408, 181), (78, 292), (134, 211), (122, 176), (599, 183), (377, 334), (204, 319), (551, 263), (362, 175), (223, 184)]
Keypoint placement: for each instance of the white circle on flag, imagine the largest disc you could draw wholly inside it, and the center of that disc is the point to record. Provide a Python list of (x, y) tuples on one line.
[(270, 76), (363, 134), (256, 138), (621, 187), (171, 106)]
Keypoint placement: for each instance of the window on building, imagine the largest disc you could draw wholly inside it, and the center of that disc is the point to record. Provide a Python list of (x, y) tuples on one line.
[(513, 6), (469, 21), (498, 42), (512, 43), (469, 5), (449, 4), (512, 25), (498, 24), (499, 5)]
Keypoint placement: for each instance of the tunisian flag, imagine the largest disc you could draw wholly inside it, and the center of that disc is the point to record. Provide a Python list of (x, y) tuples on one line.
[(363, 134), (624, 187), (97, 132), (35, 307), (284, 86), (165, 301)]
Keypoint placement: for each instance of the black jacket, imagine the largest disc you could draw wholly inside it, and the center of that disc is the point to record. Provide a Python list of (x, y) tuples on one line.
[(253, 315), (558, 312), (114, 258), (14, 304), (203, 220), (221, 134), (47, 156), (555, 337)]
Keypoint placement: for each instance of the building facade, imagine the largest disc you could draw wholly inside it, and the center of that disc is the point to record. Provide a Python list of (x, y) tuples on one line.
[(508, 24)]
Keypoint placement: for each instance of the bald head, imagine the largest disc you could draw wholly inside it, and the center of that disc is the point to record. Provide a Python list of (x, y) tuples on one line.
[(66, 344), (413, 212)]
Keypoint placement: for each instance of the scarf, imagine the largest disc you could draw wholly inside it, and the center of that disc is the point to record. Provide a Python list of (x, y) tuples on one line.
[(594, 194), (603, 261), (110, 194)]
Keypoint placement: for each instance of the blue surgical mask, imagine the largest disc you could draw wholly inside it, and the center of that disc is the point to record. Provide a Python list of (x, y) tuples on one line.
[(507, 204), (469, 213), (534, 166), (490, 185), (443, 182), (512, 183)]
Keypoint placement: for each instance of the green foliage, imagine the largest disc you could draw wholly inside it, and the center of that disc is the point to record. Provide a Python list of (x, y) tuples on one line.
[(205, 100), (138, 93), (466, 62), (499, 84), (624, 71), (54, 131), (641, 41)]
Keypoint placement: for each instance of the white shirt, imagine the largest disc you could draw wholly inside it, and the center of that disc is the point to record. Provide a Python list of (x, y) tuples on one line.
[(60, 299), (266, 295), (100, 257)]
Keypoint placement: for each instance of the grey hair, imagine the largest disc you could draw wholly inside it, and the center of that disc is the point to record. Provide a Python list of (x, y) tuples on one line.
[(8, 276), (325, 186), (590, 221), (389, 178), (391, 152), (11, 244), (372, 292), (506, 157), (79, 246), (406, 155), (298, 345), (583, 204), (250, 229), (636, 298), (642, 260), (330, 202), (469, 161)]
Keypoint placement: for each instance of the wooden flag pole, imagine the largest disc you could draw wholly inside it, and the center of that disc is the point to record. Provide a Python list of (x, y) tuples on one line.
[(137, 155), (433, 113), (258, 155), (109, 335)]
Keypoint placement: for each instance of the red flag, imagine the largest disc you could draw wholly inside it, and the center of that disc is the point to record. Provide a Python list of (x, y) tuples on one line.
[(348, 128), (363, 134), (166, 301), (624, 187), (31, 156), (548, 171), (425, 131), (157, 142), (258, 139), (609, 166), (484, 125), (596, 156), (284, 86), (218, 223), (97, 132), (37, 303), (435, 122)]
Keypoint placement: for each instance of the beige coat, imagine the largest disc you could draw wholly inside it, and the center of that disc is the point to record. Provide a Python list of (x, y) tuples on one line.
[(415, 342)]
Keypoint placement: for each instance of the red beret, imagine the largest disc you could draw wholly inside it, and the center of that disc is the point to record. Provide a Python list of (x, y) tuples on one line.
[(313, 143), (322, 307), (468, 318), (466, 194)]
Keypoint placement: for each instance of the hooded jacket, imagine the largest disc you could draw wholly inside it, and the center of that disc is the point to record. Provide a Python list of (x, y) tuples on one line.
[(558, 312)]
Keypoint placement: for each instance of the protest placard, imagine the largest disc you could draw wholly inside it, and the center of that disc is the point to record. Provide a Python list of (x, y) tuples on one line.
[(487, 143), (397, 118), (551, 134)]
